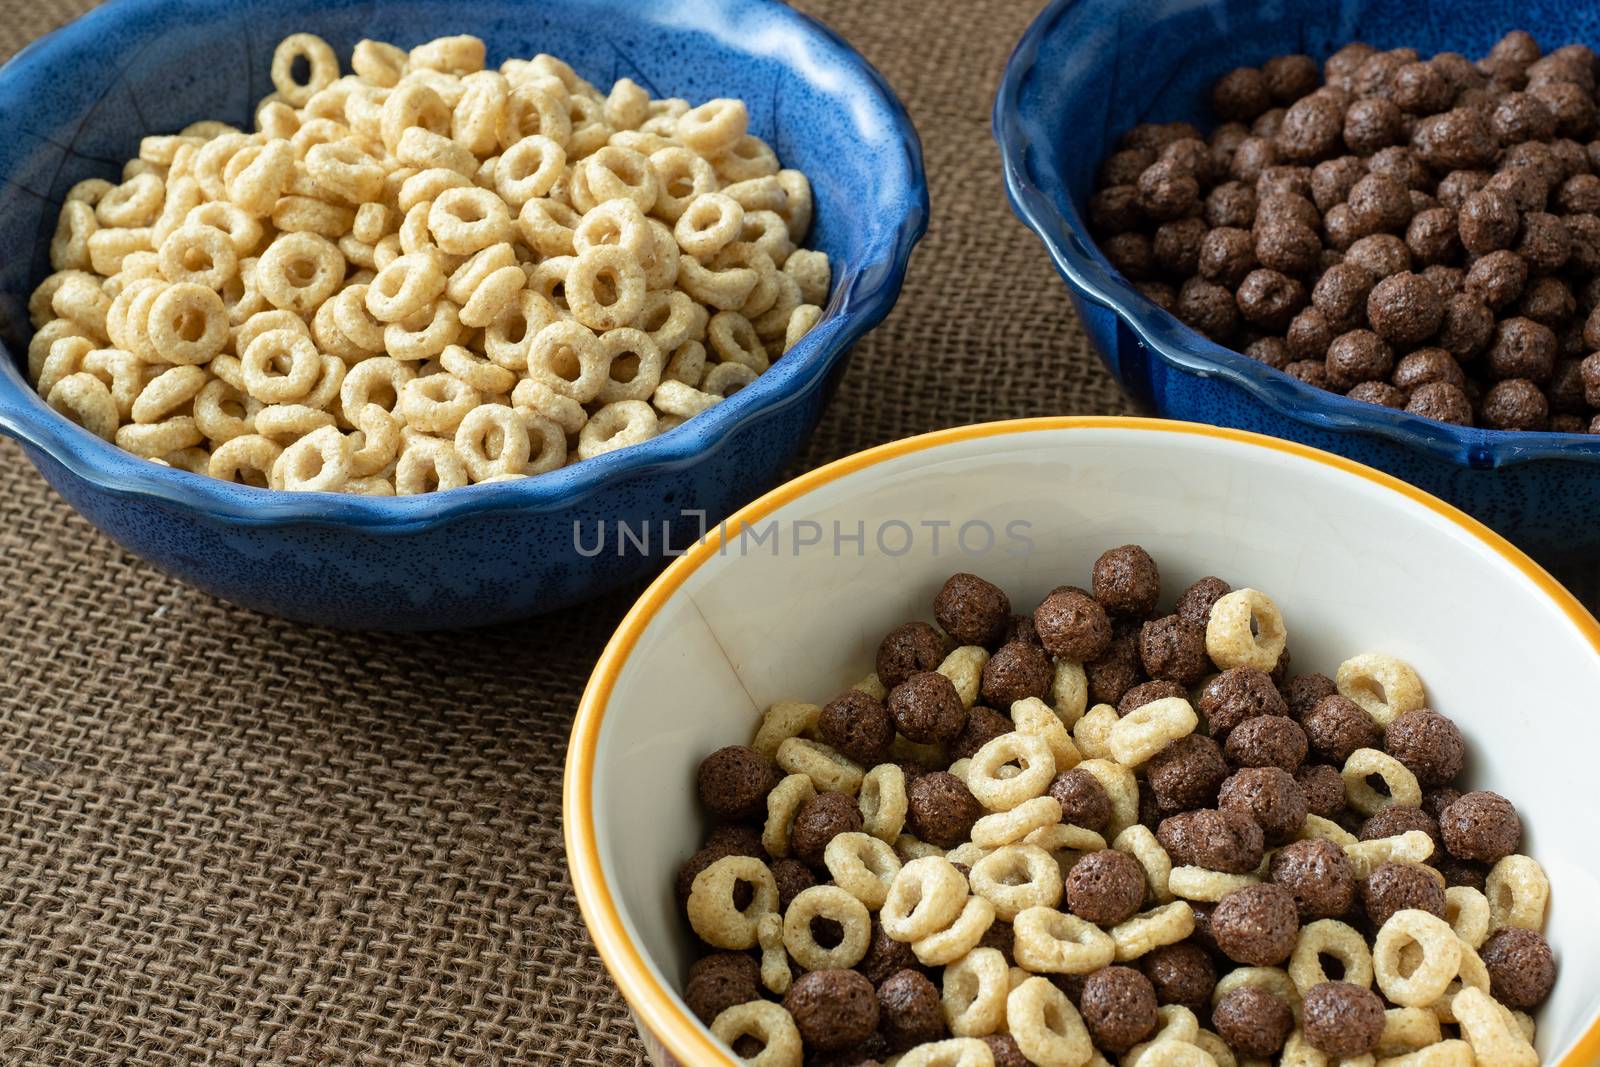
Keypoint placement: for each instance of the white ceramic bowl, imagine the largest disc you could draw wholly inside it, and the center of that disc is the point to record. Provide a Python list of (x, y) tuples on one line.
[(1356, 561)]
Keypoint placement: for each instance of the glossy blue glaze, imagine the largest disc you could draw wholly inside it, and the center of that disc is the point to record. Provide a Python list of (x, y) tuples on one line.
[(1088, 69), (75, 104)]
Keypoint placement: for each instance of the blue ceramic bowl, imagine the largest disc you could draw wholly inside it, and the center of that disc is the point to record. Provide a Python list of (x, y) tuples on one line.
[(75, 104), (1088, 69)]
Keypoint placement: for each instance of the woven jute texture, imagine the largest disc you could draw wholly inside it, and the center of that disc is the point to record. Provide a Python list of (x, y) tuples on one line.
[(226, 839)]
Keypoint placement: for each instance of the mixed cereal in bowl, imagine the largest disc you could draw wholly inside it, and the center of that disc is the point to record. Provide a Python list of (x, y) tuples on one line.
[(1114, 828), (424, 274)]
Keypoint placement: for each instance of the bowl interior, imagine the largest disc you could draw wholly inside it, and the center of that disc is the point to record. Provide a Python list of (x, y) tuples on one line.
[(1355, 564), (77, 103)]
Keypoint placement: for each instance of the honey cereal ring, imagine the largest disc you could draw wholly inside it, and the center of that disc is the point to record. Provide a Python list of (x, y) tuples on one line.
[(1518, 892), (797, 209), (427, 150), (187, 324), (1007, 827), (927, 896), (748, 157), (1069, 691), (714, 126), (974, 993), (109, 247), (422, 187), (1493, 1037), (615, 224), (1407, 1030), (46, 336), (725, 288), (1245, 629), (492, 440), (634, 365), (566, 413), (1440, 958), (1472, 974), (767, 1023), (833, 904), (458, 54), (1149, 930), (883, 801), (612, 173), (862, 866), (768, 232), (617, 425), (1380, 685), (322, 67), (1327, 830), (123, 373), (1139, 842), (1403, 790), (951, 1052), (829, 771), (1047, 941), (372, 223), (303, 214), (69, 246), (535, 111), (280, 366), (291, 421), (1148, 729), (1199, 883), (1413, 846), (783, 720), (409, 284), (1121, 787), (425, 334), (66, 357), (426, 465), (90, 190), (548, 226), (317, 463), (1329, 937), (345, 169), (605, 288), (246, 459), (156, 439), (1015, 878), (136, 202), (946, 946), (373, 381), (437, 403), (80, 300), (783, 804), (464, 221), (412, 104), (85, 400), (256, 175), (775, 973), (734, 340), (465, 365), (568, 358), (998, 792), (681, 177), (675, 398), (183, 196), (1467, 911), (377, 442), (709, 223), (199, 254), (298, 271), (772, 324), (477, 118), (1046, 1026), (964, 667), (167, 392), (1092, 731)]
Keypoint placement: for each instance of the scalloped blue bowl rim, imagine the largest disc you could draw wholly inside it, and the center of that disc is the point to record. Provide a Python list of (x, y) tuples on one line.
[(853, 309), (1086, 268)]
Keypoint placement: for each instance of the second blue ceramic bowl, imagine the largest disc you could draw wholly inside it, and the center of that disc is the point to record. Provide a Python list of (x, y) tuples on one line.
[(75, 104), (1089, 69)]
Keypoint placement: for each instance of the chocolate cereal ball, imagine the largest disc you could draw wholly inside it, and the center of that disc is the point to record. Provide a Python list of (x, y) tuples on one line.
[(1073, 625), (1117, 671), (982, 726), (1317, 873), (1194, 603), (792, 877), (1424, 365), (1302, 692), (858, 725), (1209, 308), (1149, 692), (1267, 741), (1176, 246), (1441, 401), (1016, 671), (721, 981), (1187, 773), (1174, 649), (1270, 796), (1241, 94), (907, 649), (1405, 309), (1237, 694), (1227, 841), (1515, 404), (1126, 581), (971, 610), (1084, 801), (1337, 726), (1253, 1021), (1342, 1019), (1521, 967), (1105, 887), (1181, 974), (927, 709), (1231, 204), (1359, 356), (909, 1010), (1311, 130), (1430, 746), (1290, 77), (1393, 887), (1395, 820), (1256, 925), (1481, 826), (1522, 348), (1323, 787), (733, 782), (885, 956), (1489, 221), (941, 809), (1119, 1008), (820, 820), (1341, 294), (833, 1010), (1005, 1050), (1497, 279), (1459, 139)]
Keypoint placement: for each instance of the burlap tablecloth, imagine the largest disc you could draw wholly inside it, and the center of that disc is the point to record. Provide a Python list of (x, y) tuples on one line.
[(226, 839)]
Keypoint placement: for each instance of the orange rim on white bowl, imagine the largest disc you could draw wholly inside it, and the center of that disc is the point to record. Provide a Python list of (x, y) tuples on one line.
[(659, 1010)]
